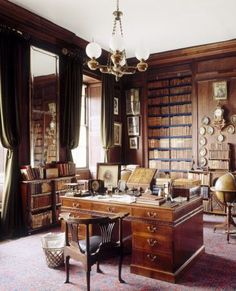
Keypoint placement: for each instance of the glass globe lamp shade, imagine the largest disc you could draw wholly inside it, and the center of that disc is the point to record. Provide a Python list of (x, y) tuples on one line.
[(117, 43), (142, 53), (123, 62), (93, 50)]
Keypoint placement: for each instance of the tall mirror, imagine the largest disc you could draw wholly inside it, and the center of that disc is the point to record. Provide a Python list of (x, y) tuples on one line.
[(44, 107)]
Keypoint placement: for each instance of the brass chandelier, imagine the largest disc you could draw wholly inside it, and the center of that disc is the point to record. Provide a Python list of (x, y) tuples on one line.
[(117, 63)]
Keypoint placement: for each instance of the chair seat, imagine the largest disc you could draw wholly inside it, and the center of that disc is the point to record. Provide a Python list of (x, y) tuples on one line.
[(94, 243)]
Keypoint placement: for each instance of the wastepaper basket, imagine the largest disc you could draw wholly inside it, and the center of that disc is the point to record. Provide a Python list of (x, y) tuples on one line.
[(53, 247)]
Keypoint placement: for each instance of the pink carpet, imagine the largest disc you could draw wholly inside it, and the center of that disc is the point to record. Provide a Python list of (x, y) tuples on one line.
[(23, 268)]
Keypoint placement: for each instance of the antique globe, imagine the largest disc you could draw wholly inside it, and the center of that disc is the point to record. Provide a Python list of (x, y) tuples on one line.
[(225, 188)]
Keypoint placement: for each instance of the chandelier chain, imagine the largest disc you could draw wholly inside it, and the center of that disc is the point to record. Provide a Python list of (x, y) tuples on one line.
[(117, 60)]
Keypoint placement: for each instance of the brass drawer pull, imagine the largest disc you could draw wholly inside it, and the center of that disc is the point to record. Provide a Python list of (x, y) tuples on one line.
[(76, 205), (151, 214), (152, 242), (151, 257), (111, 209), (152, 228)]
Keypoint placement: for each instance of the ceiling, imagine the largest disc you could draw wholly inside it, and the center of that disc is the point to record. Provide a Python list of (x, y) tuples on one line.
[(160, 25)]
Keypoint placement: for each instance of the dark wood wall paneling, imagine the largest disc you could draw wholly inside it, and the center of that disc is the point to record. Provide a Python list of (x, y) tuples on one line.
[(208, 63)]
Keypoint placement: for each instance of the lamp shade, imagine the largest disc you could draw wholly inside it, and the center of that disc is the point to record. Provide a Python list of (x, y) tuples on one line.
[(142, 53), (123, 62), (93, 50), (117, 43)]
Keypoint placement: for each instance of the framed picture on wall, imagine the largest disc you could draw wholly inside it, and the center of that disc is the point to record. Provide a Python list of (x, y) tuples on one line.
[(133, 125), (116, 106), (117, 133), (219, 90), (132, 102), (133, 142)]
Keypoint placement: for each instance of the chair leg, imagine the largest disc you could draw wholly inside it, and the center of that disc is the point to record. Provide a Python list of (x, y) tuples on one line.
[(98, 267), (120, 267), (67, 267), (88, 279)]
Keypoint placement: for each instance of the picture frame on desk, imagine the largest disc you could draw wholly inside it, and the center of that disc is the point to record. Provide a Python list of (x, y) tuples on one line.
[(109, 173)]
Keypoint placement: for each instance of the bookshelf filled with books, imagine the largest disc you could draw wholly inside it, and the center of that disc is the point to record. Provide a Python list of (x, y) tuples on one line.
[(41, 199), (208, 178), (170, 125)]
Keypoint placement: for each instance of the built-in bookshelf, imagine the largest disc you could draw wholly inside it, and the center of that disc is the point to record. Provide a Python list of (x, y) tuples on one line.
[(170, 125), (41, 201), (219, 156)]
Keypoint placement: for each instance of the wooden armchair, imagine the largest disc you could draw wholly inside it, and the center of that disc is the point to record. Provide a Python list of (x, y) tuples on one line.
[(94, 247)]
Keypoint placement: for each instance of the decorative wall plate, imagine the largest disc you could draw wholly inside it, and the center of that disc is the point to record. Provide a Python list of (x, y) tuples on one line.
[(203, 162), (203, 152), (210, 130), (231, 129), (202, 141), (202, 130), (233, 118), (220, 138), (205, 120)]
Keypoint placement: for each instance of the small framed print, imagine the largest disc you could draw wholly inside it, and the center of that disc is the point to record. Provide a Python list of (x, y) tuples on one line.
[(109, 173), (133, 125), (133, 142), (219, 90), (116, 106), (117, 133)]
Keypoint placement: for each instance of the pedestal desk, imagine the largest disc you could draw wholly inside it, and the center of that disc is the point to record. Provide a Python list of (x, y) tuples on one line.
[(166, 239)]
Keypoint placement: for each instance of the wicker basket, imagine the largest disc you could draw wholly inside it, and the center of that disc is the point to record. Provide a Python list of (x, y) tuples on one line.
[(54, 257)]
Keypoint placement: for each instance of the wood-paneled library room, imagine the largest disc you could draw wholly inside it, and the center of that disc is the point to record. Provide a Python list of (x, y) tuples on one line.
[(117, 145)]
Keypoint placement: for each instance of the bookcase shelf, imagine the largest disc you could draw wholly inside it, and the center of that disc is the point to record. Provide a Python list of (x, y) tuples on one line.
[(170, 136), (169, 124), (41, 201)]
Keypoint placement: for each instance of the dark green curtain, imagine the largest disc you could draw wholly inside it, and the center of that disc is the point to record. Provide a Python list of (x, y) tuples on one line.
[(107, 117), (71, 80), (14, 70)]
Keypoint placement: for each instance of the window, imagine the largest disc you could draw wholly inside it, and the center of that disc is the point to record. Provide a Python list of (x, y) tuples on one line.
[(80, 154)]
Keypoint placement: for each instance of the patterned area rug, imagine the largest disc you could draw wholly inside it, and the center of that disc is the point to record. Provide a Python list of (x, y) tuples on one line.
[(23, 268)]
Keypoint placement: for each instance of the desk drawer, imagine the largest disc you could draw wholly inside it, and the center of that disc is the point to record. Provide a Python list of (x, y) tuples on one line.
[(111, 208), (76, 204), (152, 213), (152, 244), (151, 228), (153, 260)]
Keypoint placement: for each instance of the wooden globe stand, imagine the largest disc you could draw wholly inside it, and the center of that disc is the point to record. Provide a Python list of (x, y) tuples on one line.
[(229, 219)]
